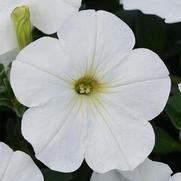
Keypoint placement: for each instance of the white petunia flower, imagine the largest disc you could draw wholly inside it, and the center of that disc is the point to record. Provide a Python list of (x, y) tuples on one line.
[(170, 10), (46, 15), (90, 95), (17, 166), (147, 171)]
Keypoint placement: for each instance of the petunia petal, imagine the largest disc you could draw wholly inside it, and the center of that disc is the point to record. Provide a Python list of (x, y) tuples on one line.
[(176, 16), (57, 131), (17, 166), (44, 74), (140, 80), (176, 177), (8, 5), (109, 176), (112, 43), (158, 7), (7, 34), (115, 138), (48, 15), (166, 9), (5, 156), (150, 171), (75, 3), (97, 44), (147, 171)]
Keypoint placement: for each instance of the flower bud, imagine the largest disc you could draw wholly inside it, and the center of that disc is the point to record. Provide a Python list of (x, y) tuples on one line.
[(22, 23)]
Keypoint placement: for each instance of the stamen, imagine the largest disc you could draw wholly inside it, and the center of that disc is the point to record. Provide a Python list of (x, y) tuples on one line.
[(86, 86)]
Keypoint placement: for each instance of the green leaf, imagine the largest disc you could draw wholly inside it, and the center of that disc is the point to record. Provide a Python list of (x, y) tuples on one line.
[(175, 80), (2, 71), (2, 89), (1, 67), (7, 98), (8, 88), (5, 102), (173, 110), (50, 175), (164, 143), (18, 108)]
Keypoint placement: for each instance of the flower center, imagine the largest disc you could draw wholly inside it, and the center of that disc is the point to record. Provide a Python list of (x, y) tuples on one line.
[(86, 86)]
